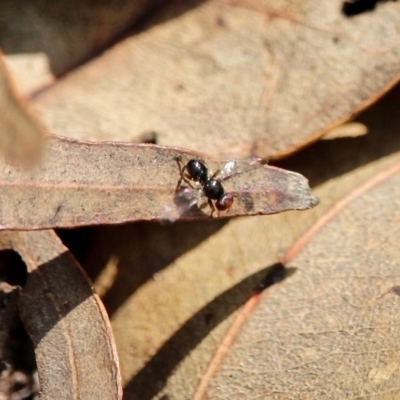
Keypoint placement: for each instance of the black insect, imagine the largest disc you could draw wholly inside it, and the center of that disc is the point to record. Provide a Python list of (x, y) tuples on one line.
[(195, 171)]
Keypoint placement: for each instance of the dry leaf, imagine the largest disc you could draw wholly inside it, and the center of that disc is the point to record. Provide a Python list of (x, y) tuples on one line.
[(74, 346), (21, 136), (238, 77), (81, 183), (338, 323), (68, 32)]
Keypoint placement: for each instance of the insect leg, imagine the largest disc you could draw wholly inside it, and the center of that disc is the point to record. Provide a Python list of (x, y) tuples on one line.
[(210, 203), (218, 171), (184, 176)]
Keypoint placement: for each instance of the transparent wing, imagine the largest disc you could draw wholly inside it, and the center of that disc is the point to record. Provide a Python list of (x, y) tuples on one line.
[(185, 198), (236, 167)]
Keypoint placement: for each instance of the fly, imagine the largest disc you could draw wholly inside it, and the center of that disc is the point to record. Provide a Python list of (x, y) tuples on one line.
[(202, 183)]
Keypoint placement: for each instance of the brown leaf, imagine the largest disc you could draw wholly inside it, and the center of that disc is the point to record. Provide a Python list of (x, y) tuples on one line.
[(21, 136), (74, 346), (68, 32), (338, 314), (81, 183), (238, 77)]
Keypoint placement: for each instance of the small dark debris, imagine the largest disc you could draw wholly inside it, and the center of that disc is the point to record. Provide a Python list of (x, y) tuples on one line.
[(208, 318), (149, 137), (220, 22), (396, 290), (356, 7), (275, 274)]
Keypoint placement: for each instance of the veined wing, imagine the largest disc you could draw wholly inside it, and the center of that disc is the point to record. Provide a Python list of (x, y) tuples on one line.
[(236, 167)]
